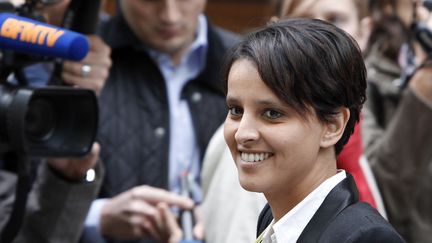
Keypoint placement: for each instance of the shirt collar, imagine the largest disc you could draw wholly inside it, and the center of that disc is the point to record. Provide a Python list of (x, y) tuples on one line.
[(292, 224)]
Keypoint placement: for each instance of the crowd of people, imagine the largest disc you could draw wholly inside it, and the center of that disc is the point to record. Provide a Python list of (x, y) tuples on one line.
[(303, 130)]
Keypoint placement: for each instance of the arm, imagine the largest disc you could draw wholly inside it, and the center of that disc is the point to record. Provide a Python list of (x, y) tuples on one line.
[(59, 201)]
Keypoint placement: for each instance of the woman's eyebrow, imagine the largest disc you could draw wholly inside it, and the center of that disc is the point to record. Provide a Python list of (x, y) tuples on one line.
[(268, 102)]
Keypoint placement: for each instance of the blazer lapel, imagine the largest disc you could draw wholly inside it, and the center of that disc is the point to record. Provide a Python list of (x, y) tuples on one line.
[(340, 197)]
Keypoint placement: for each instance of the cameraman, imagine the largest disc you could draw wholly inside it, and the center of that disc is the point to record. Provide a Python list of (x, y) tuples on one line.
[(63, 188)]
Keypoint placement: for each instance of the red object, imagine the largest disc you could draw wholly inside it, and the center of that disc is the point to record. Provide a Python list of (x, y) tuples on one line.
[(349, 160)]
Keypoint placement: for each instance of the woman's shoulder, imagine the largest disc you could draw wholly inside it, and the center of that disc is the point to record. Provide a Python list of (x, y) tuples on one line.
[(360, 222)]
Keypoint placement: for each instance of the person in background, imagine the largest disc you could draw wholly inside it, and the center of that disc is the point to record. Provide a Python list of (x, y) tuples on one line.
[(398, 114), (91, 73), (160, 106), (285, 139)]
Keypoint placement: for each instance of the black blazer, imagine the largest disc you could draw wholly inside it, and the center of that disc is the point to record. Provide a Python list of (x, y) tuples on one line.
[(342, 218)]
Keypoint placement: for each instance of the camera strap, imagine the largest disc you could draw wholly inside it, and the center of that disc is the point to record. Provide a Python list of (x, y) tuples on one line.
[(15, 221)]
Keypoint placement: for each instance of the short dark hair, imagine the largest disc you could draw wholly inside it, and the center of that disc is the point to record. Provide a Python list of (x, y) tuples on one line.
[(308, 64)]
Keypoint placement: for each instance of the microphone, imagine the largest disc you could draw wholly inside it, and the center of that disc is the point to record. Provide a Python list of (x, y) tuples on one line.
[(32, 37)]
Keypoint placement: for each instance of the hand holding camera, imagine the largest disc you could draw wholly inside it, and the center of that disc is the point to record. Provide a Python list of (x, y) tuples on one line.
[(77, 169)]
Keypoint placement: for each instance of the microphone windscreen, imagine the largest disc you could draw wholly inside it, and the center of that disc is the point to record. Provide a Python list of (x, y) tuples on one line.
[(32, 37)]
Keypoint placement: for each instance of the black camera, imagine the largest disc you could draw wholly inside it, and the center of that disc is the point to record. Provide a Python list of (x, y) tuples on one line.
[(53, 121)]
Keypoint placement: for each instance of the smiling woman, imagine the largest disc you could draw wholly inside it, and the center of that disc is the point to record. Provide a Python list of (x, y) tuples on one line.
[(273, 146), (294, 92)]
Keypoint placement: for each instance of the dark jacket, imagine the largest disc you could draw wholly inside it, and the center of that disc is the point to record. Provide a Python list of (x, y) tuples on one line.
[(134, 113), (341, 218)]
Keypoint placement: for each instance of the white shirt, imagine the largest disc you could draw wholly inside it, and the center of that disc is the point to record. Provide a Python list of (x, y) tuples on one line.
[(184, 155), (291, 225)]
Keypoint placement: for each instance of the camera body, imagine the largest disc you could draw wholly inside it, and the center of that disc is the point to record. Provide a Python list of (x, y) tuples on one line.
[(53, 121), (47, 122)]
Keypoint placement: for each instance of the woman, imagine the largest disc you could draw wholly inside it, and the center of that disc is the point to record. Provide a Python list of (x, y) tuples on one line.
[(294, 92), (353, 17)]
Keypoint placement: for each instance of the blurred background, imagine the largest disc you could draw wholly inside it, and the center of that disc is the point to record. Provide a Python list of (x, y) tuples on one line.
[(236, 15)]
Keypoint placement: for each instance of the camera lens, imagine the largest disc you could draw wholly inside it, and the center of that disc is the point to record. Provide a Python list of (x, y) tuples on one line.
[(40, 120), (49, 121)]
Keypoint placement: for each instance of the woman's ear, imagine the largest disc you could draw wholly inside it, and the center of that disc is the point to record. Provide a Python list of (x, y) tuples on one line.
[(335, 128)]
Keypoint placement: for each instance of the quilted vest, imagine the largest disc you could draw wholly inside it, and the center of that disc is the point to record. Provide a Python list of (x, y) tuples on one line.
[(134, 111)]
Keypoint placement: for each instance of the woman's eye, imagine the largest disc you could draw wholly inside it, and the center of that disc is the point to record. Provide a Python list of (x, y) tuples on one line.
[(235, 111), (272, 114)]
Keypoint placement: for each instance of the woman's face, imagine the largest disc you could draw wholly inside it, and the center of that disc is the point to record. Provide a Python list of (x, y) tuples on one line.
[(274, 148)]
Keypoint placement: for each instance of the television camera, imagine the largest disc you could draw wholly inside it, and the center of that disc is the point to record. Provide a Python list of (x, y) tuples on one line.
[(40, 122)]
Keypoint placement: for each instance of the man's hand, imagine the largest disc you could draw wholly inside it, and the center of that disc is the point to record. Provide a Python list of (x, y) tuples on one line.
[(198, 230), (93, 70), (142, 212), (76, 168), (169, 230)]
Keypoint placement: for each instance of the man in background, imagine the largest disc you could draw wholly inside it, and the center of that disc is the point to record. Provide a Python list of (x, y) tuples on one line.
[(160, 106)]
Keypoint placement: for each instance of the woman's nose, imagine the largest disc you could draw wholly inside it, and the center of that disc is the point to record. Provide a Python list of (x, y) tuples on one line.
[(247, 131)]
